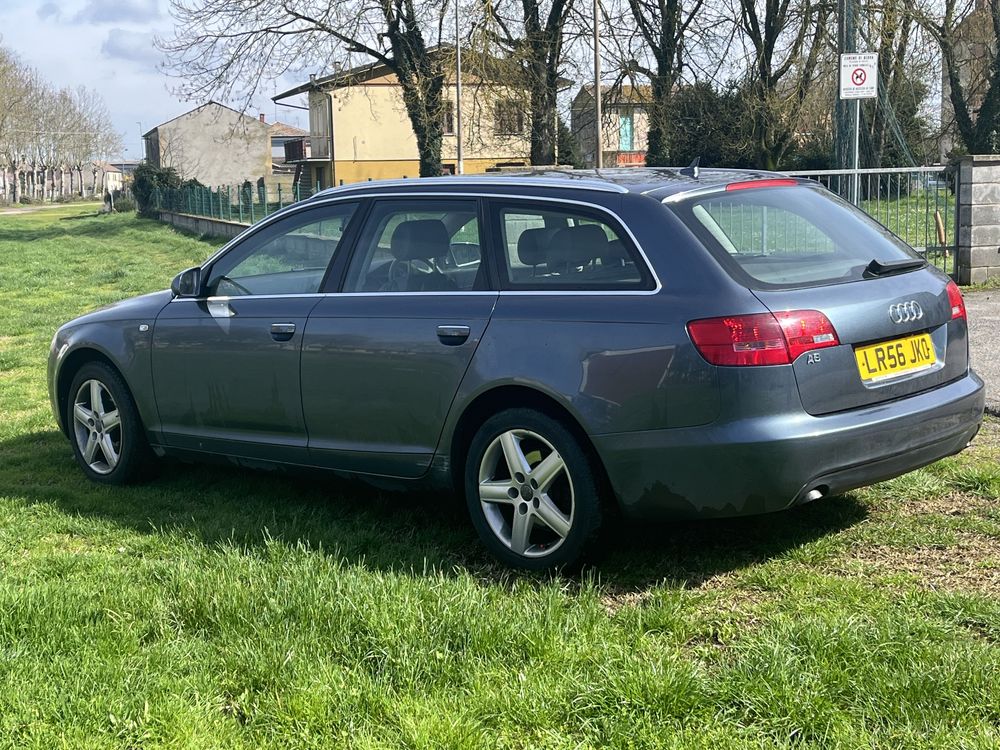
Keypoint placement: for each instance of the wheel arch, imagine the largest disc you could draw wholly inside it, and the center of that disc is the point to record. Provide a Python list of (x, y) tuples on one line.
[(70, 365), (502, 397)]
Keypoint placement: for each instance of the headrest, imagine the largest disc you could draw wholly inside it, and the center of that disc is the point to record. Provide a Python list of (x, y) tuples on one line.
[(615, 255), (533, 245), (576, 246), (420, 239)]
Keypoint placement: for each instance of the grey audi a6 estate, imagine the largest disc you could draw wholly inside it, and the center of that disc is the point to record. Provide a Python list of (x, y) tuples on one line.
[(554, 346)]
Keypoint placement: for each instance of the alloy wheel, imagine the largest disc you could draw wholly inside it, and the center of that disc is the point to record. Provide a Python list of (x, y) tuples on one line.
[(526, 493), (97, 426)]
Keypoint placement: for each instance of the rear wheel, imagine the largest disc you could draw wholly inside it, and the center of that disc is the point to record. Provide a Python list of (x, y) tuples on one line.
[(107, 435), (531, 491)]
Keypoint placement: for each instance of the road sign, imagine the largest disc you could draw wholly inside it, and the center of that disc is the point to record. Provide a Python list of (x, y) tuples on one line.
[(858, 76)]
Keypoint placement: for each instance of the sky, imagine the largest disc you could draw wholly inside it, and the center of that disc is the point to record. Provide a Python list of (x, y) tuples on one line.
[(107, 45)]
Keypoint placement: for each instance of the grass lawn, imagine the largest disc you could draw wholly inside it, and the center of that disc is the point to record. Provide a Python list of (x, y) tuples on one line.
[(218, 608), (912, 216)]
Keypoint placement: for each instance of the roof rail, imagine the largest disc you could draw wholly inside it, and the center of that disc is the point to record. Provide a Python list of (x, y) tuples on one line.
[(581, 183)]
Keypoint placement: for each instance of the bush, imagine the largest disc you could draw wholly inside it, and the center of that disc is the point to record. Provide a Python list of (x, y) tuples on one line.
[(72, 197), (711, 124), (147, 179), (125, 204), (569, 147), (25, 200)]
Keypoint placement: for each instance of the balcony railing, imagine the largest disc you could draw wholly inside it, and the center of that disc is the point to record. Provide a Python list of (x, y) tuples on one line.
[(310, 147)]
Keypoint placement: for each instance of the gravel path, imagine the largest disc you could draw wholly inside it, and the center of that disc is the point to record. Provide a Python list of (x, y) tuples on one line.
[(984, 342)]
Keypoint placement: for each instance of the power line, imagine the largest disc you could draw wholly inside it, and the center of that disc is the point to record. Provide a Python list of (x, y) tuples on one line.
[(57, 132)]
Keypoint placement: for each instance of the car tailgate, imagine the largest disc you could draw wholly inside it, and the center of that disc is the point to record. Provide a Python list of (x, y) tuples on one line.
[(897, 335)]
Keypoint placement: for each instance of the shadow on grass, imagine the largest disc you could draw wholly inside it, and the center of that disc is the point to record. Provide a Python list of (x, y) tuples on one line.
[(399, 531)]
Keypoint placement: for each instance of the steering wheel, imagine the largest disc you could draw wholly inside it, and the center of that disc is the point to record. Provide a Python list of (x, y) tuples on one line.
[(400, 272)]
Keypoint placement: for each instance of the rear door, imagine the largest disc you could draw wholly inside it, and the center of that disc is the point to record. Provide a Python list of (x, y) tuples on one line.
[(382, 361), (799, 248)]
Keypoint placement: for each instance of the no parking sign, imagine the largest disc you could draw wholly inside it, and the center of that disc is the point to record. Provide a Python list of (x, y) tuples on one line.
[(858, 76)]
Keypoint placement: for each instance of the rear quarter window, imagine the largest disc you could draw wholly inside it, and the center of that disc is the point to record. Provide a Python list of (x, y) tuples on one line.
[(789, 236)]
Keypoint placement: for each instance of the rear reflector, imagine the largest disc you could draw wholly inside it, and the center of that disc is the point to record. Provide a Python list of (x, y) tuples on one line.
[(956, 302), (751, 184), (762, 338)]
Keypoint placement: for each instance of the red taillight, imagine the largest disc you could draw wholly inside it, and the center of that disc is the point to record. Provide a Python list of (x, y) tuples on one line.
[(761, 339), (806, 330), (956, 302), (749, 184)]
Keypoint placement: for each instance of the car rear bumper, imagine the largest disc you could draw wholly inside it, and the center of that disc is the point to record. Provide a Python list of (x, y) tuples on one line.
[(764, 464)]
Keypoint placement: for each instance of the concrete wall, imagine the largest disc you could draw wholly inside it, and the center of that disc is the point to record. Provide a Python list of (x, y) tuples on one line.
[(978, 218), (201, 225), (214, 145)]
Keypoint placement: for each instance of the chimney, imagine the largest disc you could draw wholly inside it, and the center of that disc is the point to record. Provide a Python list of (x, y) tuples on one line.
[(262, 117)]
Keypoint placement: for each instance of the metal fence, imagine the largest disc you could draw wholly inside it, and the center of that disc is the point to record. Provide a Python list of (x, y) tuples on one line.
[(244, 204), (919, 204)]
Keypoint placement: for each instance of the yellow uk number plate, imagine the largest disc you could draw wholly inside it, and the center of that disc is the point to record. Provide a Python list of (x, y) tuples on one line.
[(897, 357)]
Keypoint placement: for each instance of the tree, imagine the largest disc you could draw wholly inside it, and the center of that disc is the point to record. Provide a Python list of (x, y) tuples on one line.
[(227, 48), (43, 130), (784, 41), (533, 34), (710, 125), (971, 68), (569, 149), (661, 26)]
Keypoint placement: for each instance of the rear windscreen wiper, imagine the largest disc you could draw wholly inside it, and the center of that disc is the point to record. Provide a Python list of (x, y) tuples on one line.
[(878, 268)]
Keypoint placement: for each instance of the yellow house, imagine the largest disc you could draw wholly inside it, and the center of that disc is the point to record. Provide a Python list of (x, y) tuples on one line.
[(371, 134), (372, 137)]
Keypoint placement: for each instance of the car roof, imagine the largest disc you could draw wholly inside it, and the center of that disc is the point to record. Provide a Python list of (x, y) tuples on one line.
[(657, 182)]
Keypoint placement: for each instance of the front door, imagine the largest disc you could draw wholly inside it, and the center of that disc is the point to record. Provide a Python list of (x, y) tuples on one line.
[(226, 364), (382, 361)]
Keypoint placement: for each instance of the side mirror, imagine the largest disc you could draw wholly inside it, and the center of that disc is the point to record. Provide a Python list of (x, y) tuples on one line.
[(187, 283)]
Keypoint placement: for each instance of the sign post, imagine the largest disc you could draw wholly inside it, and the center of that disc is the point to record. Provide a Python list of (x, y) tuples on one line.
[(858, 80)]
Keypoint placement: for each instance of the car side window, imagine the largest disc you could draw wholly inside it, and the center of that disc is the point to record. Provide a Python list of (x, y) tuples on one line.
[(289, 257), (419, 246), (555, 247)]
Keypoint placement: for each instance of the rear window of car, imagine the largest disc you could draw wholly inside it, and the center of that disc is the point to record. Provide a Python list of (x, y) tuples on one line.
[(790, 236), (553, 246)]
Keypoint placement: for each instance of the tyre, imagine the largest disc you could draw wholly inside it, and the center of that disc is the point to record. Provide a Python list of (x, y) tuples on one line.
[(107, 435), (532, 491)]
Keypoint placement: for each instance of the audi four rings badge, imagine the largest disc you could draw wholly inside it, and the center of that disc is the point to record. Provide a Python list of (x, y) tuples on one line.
[(905, 312)]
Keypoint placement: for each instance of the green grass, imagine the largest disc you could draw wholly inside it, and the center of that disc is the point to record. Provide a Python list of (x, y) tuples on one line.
[(912, 216), (217, 608)]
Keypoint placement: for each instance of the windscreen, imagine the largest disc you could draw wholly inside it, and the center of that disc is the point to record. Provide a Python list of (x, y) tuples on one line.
[(790, 236)]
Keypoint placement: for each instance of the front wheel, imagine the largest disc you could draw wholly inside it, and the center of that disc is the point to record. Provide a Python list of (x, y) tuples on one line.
[(531, 491), (107, 435)]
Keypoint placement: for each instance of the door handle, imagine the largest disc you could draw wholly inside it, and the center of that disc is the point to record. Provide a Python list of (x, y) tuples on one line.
[(453, 335), (282, 331)]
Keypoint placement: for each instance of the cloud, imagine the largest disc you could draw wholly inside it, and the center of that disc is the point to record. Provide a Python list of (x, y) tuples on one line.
[(48, 10), (134, 46), (118, 11)]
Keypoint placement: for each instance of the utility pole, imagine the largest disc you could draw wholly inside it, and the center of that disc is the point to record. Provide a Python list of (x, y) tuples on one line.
[(844, 122), (599, 161), (459, 167), (142, 141)]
